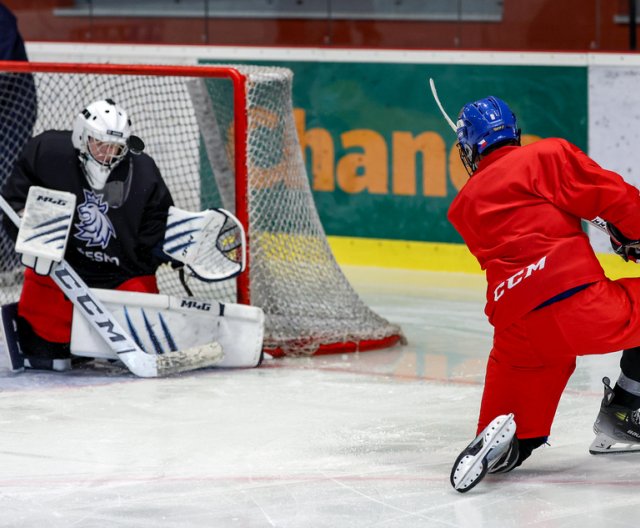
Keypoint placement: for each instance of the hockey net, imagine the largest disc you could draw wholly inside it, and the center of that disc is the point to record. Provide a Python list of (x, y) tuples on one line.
[(222, 137)]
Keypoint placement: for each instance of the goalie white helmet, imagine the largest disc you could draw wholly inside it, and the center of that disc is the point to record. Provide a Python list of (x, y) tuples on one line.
[(101, 134)]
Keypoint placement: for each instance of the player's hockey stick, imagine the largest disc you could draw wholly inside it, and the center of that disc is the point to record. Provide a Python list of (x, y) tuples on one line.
[(102, 321), (596, 222), (434, 92)]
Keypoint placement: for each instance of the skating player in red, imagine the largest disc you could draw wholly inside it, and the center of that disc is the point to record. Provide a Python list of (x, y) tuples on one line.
[(548, 299)]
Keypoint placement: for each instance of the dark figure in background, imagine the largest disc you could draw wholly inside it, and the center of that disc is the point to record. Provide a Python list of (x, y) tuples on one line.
[(11, 43), (18, 112)]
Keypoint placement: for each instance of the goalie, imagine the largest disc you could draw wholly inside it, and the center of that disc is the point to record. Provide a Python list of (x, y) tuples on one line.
[(92, 196)]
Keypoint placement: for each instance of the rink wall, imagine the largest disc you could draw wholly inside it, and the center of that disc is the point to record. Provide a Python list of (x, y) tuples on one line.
[(382, 162)]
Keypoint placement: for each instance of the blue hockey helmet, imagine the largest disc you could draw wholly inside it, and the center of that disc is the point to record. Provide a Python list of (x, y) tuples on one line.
[(483, 124)]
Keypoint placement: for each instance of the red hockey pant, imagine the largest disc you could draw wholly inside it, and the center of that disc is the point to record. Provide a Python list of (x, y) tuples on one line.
[(49, 312), (532, 360)]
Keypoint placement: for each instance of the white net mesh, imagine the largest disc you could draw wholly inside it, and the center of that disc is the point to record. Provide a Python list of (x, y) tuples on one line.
[(189, 127)]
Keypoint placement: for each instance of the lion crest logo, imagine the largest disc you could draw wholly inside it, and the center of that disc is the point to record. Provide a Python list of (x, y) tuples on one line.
[(94, 227)]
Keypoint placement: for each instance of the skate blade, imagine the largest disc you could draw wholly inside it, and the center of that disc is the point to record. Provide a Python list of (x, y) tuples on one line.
[(476, 471), (605, 445)]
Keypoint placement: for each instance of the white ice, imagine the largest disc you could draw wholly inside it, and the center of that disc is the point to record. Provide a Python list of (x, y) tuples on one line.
[(354, 440)]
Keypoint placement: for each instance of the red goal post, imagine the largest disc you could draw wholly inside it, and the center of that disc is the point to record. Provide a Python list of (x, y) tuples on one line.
[(222, 136)]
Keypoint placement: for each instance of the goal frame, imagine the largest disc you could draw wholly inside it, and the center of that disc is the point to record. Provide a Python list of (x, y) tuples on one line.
[(240, 119), (240, 163)]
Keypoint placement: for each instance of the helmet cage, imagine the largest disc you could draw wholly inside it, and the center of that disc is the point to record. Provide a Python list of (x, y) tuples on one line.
[(100, 134), (469, 157), (106, 153)]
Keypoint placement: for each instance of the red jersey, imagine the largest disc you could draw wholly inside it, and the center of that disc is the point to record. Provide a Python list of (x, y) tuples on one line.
[(520, 215)]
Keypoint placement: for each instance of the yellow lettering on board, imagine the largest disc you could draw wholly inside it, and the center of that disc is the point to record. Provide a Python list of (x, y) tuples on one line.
[(320, 145), (271, 168), (406, 147), (457, 173), (366, 170)]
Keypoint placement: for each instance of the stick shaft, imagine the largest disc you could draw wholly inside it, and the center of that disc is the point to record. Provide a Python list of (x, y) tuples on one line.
[(435, 96)]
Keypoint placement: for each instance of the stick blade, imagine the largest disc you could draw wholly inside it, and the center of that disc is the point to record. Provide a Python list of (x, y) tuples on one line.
[(198, 357)]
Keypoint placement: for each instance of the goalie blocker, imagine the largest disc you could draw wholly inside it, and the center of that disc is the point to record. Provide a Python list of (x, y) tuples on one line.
[(44, 230)]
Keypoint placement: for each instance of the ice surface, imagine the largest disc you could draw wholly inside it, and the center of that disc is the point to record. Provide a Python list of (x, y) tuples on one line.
[(364, 440)]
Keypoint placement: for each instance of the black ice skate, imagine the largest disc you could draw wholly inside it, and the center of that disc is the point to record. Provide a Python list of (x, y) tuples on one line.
[(18, 360), (494, 450), (617, 428), (10, 337)]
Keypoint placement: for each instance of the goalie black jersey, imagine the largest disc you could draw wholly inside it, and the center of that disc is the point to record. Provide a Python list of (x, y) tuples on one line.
[(117, 232)]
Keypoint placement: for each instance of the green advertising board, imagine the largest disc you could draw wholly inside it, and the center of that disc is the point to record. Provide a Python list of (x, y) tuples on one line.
[(381, 159)]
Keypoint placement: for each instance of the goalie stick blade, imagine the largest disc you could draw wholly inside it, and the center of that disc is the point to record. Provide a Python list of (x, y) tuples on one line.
[(603, 444), (10, 337), (199, 357)]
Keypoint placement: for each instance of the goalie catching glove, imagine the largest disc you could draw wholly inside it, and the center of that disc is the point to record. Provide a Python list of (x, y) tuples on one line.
[(629, 250), (44, 230), (211, 244)]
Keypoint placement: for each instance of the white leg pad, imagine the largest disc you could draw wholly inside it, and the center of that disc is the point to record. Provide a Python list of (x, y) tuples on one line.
[(161, 323)]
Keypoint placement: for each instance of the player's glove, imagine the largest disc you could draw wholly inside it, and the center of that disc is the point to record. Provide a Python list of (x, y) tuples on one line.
[(628, 249)]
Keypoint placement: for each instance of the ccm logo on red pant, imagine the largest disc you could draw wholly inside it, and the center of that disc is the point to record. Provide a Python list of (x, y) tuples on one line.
[(517, 278)]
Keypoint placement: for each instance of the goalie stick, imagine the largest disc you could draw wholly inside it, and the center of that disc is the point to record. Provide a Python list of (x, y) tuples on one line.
[(596, 222), (102, 321)]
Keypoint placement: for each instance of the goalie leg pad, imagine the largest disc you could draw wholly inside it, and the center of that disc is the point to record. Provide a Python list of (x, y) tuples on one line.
[(160, 324)]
